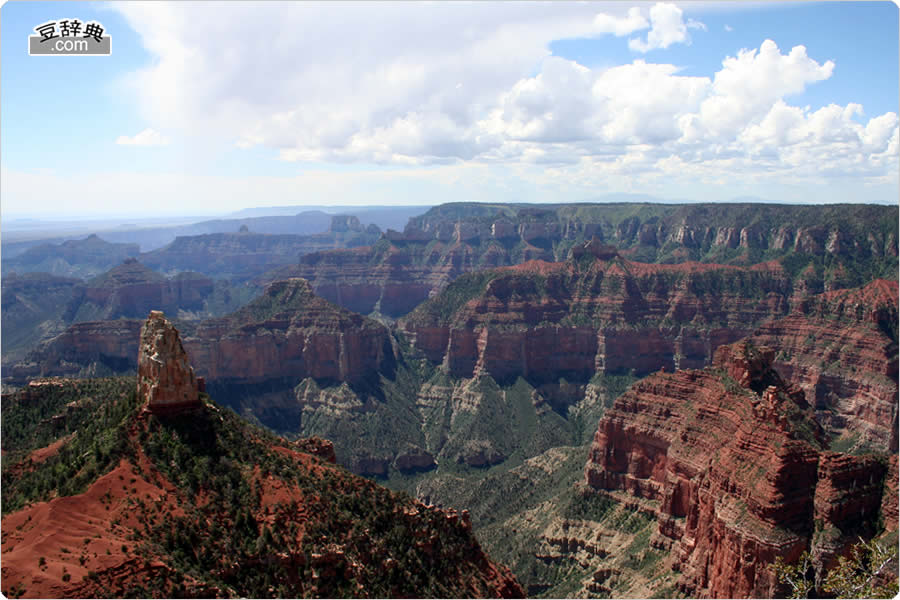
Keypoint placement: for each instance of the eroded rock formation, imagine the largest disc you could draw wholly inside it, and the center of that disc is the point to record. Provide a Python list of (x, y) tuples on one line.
[(289, 332), (730, 461), (406, 267), (166, 380), (594, 313), (840, 348), (131, 290), (90, 349)]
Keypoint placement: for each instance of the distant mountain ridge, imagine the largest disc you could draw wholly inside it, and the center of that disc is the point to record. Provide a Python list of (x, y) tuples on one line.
[(38, 306), (78, 258), (838, 245), (298, 220)]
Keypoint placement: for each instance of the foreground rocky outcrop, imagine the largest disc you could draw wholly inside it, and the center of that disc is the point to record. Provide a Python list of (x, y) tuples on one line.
[(165, 379), (124, 502), (730, 461)]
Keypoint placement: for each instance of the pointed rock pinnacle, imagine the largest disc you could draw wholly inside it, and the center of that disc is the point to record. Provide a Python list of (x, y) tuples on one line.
[(166, 380)]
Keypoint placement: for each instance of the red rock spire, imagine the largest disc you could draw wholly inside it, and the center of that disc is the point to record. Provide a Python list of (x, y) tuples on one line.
[(165, 377)]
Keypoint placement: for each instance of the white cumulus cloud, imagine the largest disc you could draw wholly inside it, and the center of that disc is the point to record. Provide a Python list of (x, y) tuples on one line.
[(667, 28), (749, 84), (148, 137), (476, 83), (619, 26)]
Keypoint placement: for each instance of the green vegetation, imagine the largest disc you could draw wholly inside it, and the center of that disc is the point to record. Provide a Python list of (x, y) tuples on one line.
[(844, 443), (869, 571), (333, 534), (588, 505), (443, 306), (227, 298), (91, 414), (215, 454)]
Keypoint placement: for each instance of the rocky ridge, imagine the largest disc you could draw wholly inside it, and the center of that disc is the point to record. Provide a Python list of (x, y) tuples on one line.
[(405, 268), (594, 314), (159, 505), (39, 308), (91, 349), (289, 332), (74, 258), (34, 308), (840, 348), (730, 462), (131, 289), (246, 254)]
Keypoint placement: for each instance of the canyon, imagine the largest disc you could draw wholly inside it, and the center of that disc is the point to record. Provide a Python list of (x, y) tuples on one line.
[(743, 374), (731, 463), (543, 320)]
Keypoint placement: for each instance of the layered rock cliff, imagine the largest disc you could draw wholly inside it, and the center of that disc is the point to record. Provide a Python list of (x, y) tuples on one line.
[(38, 307), (404, 268), (289, 332), (90, 349), (730, 462), (594, 313), (131, 290), (705, 232), (285, 335), (35, 306), (246, 254), (389, 278), (73, 258), (840, 348)]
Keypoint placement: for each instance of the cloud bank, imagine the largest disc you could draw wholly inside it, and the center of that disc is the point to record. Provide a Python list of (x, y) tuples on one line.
[(438, 84)]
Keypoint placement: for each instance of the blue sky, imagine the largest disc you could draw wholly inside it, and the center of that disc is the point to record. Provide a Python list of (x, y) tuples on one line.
[(206, 107)]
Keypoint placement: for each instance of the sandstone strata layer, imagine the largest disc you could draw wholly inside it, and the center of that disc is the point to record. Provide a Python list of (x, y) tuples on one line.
[(289, 332), (405, 268), (590, 314), (89, 349), (840, 348), (131, 290), (730, 461)]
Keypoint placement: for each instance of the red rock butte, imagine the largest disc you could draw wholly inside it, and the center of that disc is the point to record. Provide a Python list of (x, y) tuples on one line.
[(166, 380)]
